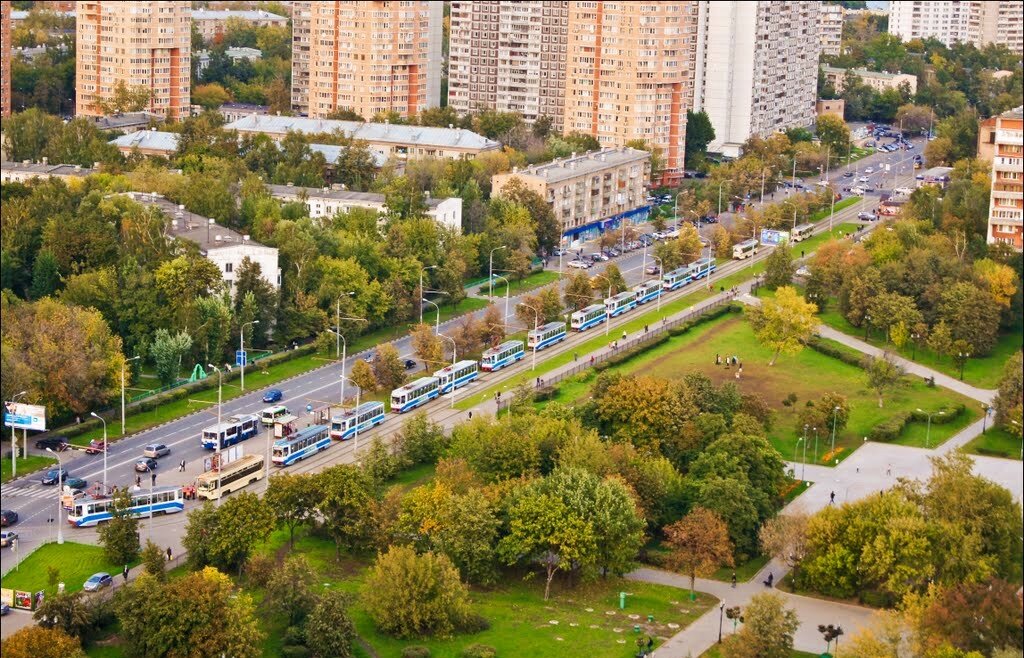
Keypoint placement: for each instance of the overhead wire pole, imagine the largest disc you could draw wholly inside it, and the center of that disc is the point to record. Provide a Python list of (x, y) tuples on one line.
[(105, 446), (14, 440), (422, 270), (508, 286), (344, 350), (490, 272), (241, 349), (123, 364), (607, 320), (536, 326), (220, 404), (454, 350)]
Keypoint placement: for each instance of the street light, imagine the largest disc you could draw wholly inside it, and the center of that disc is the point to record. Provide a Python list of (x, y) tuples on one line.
[(508, 286), (337, 322), (661, 269), (607, 320), (915, 337), (675, 209), (241, 348), (101, 419), (355, 449), (815, 430), (60, 482), (14, 440), (437, 322), (422, 270), (795, 449), (536, 326), (123, 364), (454, 350), (928, 432), (835, 417), (867, 324), (220, 401), (728, 180), (721, 617), (344, 349), (963, 356), (490, 272)]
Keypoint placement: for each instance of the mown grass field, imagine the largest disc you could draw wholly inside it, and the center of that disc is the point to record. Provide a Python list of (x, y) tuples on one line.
[(995, 442), (75, 563), (528, 282), (26, 465)]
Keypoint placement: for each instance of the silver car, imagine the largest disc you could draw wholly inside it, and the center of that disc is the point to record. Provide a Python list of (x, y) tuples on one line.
[(156, 450)]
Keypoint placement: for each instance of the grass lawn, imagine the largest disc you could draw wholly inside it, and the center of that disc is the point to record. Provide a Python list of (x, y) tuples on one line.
[(731, 335), (744, 572), (26, 465), (529, 282), (983, 372), (519, 617), (75, 561), (996, 442), (714, 652)]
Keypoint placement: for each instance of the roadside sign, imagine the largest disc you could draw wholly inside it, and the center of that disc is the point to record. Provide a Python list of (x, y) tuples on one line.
[(770, 236), (240, 358), (25, 416)]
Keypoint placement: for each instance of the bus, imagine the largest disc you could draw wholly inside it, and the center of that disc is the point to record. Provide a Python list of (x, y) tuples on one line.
[(702, 267), (744, 249), (620, 303), (677, 278), (90, 511), (235, 475), (360, 419), (306, 442), (234, 429), (414, 394), (549, 334), (270, 415), (591, 316), (456, 375), (647, 291), (801, 232), (503, 355)]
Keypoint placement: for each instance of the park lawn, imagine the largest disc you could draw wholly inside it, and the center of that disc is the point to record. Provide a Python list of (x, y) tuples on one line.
[(983, 372), (744, 572), (76, 562), (995, 442), (519, 617), (529, 282), (26, 465), (715, 652)]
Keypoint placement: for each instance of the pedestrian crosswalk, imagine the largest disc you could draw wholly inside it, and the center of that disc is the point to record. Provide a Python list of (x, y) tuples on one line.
[(29, 491)]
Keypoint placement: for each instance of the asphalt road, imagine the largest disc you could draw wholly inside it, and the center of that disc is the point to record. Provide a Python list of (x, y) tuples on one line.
[(37, 505)]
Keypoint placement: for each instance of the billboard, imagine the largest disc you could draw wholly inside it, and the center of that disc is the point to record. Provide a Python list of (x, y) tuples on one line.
[(25, 416), (770, 236)]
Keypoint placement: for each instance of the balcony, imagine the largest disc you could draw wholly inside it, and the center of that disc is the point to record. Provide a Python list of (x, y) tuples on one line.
[(1013, 137)]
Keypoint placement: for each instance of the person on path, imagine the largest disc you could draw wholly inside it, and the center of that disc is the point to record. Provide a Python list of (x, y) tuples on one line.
[(623, 334), (832, 498), (168, 553), (888, 469), (718, 359), (125, 573), (734, 580), (181, 466), (575, 357)]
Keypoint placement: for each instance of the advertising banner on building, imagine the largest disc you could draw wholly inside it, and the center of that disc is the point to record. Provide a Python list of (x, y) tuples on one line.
[(25, 416)]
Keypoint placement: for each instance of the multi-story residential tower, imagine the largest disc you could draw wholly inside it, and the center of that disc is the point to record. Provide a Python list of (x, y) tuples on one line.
[(960, 21), (630, 74), (830, 28), (757, 68), (509, 56), (1006, 204), (374, 56), (301, 24), (5, 57), (139, 44)]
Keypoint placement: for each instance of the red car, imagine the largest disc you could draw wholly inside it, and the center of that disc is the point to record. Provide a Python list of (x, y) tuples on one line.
[(96, 446)]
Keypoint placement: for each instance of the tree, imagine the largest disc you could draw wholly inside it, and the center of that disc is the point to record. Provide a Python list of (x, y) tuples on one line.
[(699, 133), (290, 588), (153, 559), (27, 133), (200, 614), (578, 292), (293, 498), (700, 544), (834, 134), (427, 346), (330, 632), (914, 118), (363, 377), (1001, 280), (468, 334), (68, 612), (978, 617), (1008, 400), (167, 351), (831, 409), (225, 536), (409, 595), (493, 330), (45, 275), (785, 323), (388, 368), (120, 535), (126, 99), (546, 227), (669, 254), (883, 374), (784, 538), (779, 268), (39, 642), (210, 96), (543, 530), (345, 505), (940, 340), (767, 632)]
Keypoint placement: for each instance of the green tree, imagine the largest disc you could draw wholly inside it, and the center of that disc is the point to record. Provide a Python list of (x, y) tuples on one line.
[(779, 268), (345, 505), (578, 292), (832, 409), (940, 340), (914, 119), (68, 612), (153, 559), (290, 589), (612, 277), (420, 441), (125, 99), (1010, 396), (834, 134), (978, 617), (546, 227), (225, 536), (767, 632), (409, 595), (120, 535), (882, 374), (210, 96), (363, 377), (699, 133), (330, 632), (784, 324), (699, 543), (971, 314), (427, 346), (167, 351), (388, 368), (293, 498), (496, 451), (45, 275), (39, 642), (27, 133)]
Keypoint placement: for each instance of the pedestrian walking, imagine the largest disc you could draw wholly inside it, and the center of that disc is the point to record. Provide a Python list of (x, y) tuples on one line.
[(623, 334), (168, 553), (646, 328), (138, 480), (832, 498), (125, 573), (181, 466), (734, 580), (801, 253), (718, 359), (591, 359), (575, 357), (152, 479), (739, 373), (888, 469), (471, 415)]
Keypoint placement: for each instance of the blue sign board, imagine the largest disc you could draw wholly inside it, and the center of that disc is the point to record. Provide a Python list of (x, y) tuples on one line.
[(240, 358), (770, 236)]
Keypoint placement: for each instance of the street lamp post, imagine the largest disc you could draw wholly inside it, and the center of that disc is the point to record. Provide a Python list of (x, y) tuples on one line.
[(241, 348), (123, 364), (607, 320), (220, 402), (536, 326), (835, 417), (14, 440), (661, 269), (675, 210), (721, 617), (454, 350), (508, 287), (963, 356), (60, 483), (102, 420), (928, 432), (437, 322), (796, 448), (915, 337), (337, 323), (422, 270), (984, 416), (344, 350), (867, 324), (728, 180), (490, 272)]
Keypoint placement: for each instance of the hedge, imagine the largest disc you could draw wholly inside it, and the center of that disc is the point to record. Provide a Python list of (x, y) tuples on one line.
[(836, 351), (892, 427)]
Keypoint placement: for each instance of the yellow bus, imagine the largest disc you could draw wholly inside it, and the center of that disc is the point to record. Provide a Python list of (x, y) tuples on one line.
[(234, 476)]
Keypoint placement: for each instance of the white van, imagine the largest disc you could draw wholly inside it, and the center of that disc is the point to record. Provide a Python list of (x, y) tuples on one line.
[(270, 415)]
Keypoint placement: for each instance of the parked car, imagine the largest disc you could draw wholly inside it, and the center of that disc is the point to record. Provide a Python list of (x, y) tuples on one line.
[(653, 269), (803, 271), (8, 517), (710, 219), (580, 264), (610, 253), (863, 179), (646, 239), (4, 609), (156, 450), (98, 581), (6, 536), (54, 476), (75, 483), (866, 216), (558, 251), (597, 257), (145, 464), (848, 174), (273, 395), (410, 364), (857, 190), (904, 190), (56, 443), (96, 446), (869, 170)]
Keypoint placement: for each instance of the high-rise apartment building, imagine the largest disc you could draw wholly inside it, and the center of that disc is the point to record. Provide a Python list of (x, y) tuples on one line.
[(757, 68), (630, 74), (509, 56), (371, 57), (830, 28), (960, 21), (139, 44), (1006, 207), (5, 57), (301, 42)]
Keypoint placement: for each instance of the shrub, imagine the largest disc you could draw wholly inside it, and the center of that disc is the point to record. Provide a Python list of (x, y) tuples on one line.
[(259, 569), (890, 428), (475, 623), (416, 651), (833, 350), (479, 651), (294, 651), (294, 635), (789, 400)]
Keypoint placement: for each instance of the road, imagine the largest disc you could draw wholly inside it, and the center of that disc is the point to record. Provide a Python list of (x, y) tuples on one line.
[(37, 505)]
